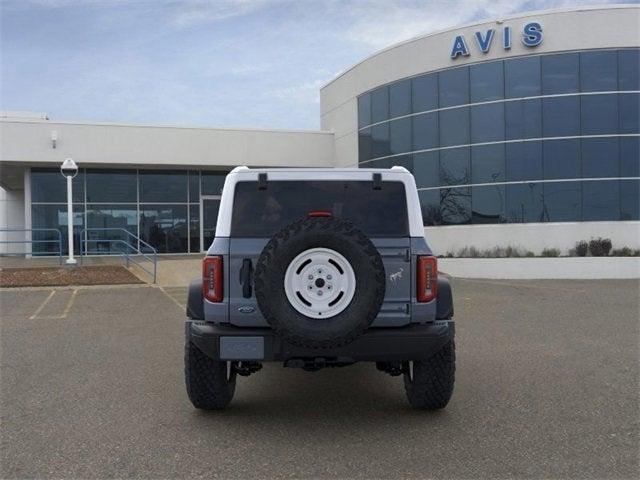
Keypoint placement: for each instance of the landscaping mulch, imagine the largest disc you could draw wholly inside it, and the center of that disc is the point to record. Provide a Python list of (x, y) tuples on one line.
[(63, 276)]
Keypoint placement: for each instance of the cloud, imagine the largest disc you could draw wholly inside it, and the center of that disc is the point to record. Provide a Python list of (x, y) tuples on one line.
[(194, 12)]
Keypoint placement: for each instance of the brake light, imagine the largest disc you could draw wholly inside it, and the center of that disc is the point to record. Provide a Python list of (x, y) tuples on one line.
[(319, 213), (427, 278), (212, 278)]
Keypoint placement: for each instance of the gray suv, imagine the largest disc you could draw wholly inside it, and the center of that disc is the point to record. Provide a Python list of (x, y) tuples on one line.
[(319, 268)]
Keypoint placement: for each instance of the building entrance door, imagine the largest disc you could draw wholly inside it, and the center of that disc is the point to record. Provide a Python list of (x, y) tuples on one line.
[(209, 205)]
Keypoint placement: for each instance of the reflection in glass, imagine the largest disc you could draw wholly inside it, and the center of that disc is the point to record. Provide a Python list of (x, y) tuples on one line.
[(113, 217), (163, 186), (601, 200), (630, 157), (380, 104), (380, 140), (454, 87), (599, 71), (599, 114), (487, 163), (425, 131), (522, 77), (487, 123), (630, 200), (426, 169), (523, 119), (562, 201), (629, 69), (561, 159), (212, 182), (424, 92), (488, 204), (365, 145), (454, 166), (454, 127), (455, 205), (105, 186), (48, 185), (523, 161), (165, 227), (194, 186), (55, 216), (561, 116), (400, 98), (560, 73), (629, 112), (210, 209), (430, 206), (600, 157), (524, 203), (487, 81), (194, 228), (400, 135)]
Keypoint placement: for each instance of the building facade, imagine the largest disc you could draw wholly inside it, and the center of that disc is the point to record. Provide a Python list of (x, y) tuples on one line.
[(520, 132)]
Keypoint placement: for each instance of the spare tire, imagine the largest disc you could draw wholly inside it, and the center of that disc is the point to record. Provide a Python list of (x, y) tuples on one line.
[(320, 282)]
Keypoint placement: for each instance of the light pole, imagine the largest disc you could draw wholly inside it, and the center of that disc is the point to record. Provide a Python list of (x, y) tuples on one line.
[(69, 169)]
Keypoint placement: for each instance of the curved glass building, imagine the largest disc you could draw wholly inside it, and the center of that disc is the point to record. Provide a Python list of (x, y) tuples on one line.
[(531, 121)]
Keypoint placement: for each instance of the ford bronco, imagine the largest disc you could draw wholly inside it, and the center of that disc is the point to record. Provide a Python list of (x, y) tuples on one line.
[(319, 268)]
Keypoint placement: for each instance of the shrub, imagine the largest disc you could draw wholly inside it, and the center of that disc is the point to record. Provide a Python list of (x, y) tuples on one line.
[(624, 252), (550, 252), (600, 247), (581, 248)]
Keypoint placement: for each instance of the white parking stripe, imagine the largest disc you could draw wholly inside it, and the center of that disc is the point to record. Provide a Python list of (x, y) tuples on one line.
[(42, 305)]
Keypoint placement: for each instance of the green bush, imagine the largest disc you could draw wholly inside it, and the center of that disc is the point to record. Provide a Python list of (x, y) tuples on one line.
[(550, 252), (600, 247), (624, 252), (581, 248)]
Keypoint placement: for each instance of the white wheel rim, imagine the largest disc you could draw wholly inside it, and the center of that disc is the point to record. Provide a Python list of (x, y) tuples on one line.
[(319, 283)]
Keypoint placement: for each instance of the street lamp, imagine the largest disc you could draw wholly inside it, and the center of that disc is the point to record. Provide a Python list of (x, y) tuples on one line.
[(69, 169)]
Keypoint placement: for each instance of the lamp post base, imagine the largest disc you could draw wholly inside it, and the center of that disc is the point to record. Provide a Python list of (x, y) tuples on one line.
[(71, 261)]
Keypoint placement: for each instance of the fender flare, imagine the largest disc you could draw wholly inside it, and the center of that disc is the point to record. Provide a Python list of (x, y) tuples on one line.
[(195, 301), (444, 300)]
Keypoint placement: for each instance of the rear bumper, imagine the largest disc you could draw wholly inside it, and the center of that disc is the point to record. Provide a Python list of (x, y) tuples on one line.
[(413, 342)]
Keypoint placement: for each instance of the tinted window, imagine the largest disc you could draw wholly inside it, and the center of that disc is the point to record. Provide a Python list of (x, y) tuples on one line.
[(600, 157), (425, 92), (560, 73), (163, 186), (165, 227), (194, 186), (524, 203), (48, 185), (380, 140), (562, 202), (454, 127), (364, 110), (454, 166), (487, 81), (425, 131), (400, 135), (488, 205), (405, 161), (487, 164), (629, 69), (523, 119), (379, 105), (598, 71), (455, 205), (262, 213), (522, 77), (430, 205), (112, 186), (55, 216), (212, 182), (194, 228), (487, 123), (113, 217), (629, 112), (400, 98), (454, 87), (630, 157), (365, 145), (523, 161), (426, 169), (599, 114), (600, 200), (561, 116), (630, 200), (561, 159)]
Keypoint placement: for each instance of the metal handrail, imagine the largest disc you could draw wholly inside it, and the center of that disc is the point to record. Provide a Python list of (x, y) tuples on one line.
[(129, 258), (32, 241)]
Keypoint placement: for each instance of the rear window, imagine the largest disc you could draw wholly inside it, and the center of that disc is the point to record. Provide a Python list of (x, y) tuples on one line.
[(262, 213)]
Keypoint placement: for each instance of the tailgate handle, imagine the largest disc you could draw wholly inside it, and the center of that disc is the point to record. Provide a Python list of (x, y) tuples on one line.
[(245, 277)]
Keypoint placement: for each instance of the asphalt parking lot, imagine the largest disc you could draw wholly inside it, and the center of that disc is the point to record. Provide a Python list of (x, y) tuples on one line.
[(547, 386)]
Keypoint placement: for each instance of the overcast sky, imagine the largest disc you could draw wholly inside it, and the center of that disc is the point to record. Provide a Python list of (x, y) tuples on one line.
[(247, 63)]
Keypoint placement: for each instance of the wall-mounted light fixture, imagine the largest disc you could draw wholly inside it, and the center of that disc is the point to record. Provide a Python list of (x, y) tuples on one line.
[(54, 138)]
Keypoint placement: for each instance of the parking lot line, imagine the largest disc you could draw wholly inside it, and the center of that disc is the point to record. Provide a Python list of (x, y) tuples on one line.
[(42, 305), (173, 299)]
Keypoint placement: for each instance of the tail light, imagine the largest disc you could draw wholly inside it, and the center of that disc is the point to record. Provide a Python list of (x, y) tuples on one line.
[(319, 213), (427, 278), (212, 278)]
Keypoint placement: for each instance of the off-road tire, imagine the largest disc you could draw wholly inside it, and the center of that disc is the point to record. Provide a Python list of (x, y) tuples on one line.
[(431, 386), (208, 386), (320, 232)]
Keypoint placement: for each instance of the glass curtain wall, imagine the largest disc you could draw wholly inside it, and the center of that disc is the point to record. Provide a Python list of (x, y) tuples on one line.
[(161, 207), (541, 138)]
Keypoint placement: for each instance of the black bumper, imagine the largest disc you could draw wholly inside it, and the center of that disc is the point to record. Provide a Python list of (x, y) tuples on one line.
[(413, 342)]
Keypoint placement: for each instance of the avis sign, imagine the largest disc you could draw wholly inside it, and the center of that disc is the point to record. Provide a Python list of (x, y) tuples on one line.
[(531, 37)]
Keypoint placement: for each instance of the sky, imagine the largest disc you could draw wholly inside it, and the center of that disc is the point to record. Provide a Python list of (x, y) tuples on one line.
[(217, 63)]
